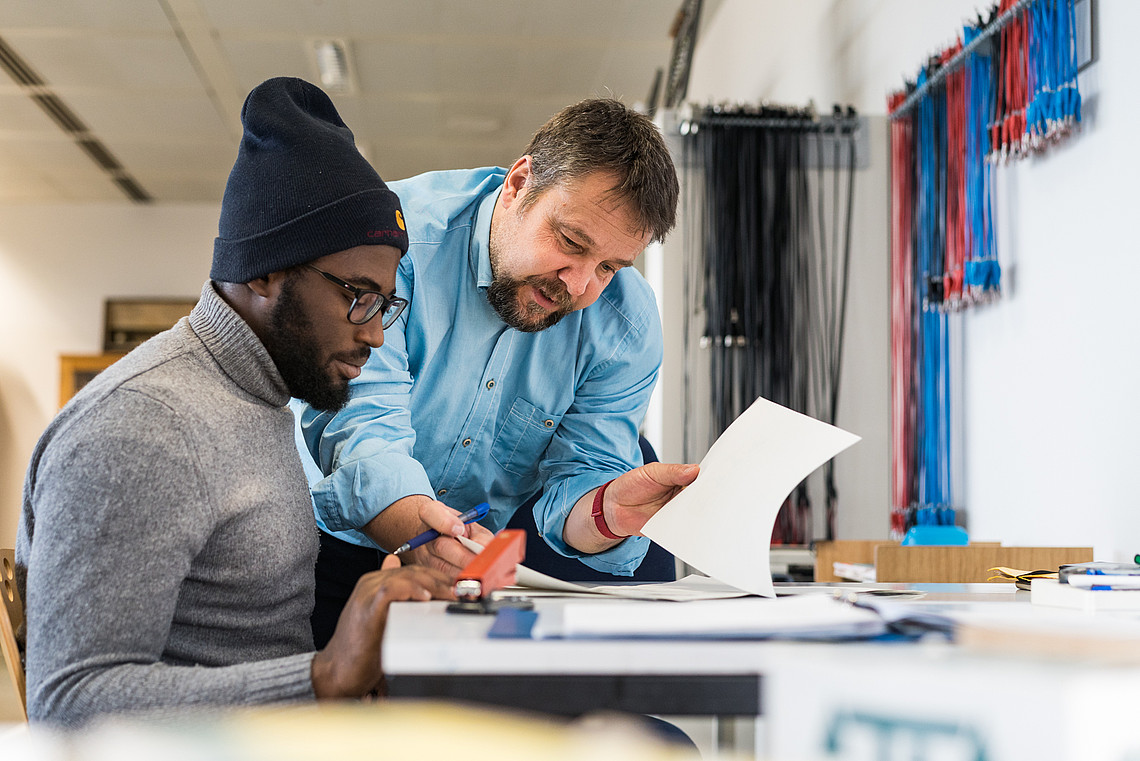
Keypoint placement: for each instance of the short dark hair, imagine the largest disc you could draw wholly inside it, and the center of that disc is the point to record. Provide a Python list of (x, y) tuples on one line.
[(604, 135)]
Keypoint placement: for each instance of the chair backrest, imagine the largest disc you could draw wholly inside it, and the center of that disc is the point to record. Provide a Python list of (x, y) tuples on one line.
[(11, 619)]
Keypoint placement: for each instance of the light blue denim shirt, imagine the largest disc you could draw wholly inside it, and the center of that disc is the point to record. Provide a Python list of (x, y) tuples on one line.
[(457, 405)]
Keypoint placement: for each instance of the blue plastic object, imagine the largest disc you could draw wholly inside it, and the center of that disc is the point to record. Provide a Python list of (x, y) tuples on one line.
[(935, 535)]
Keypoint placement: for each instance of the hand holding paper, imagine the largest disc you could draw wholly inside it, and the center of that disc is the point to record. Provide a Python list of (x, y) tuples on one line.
[(722, 522), (634, 497)]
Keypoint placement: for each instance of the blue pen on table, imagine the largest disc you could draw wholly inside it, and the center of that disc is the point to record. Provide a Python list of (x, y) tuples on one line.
[(470, 516)]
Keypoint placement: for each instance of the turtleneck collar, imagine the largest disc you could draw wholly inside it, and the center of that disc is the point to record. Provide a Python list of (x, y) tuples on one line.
[(236, 348)]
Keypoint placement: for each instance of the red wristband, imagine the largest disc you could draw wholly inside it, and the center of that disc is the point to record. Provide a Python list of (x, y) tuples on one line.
[(599, 517)]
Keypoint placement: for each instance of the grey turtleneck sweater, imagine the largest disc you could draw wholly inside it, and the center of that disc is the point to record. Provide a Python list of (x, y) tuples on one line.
[(167, 534)]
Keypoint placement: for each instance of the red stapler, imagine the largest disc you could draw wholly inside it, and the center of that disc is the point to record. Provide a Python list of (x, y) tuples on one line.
[(493, 568)]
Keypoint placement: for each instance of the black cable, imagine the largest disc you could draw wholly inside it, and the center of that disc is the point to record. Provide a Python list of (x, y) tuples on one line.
[(771, 293)]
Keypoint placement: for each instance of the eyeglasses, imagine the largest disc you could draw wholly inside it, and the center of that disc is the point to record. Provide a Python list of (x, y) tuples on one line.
[(367, 304)]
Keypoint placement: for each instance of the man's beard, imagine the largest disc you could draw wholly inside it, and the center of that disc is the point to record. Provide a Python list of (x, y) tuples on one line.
[(297, 356), (503, 294)]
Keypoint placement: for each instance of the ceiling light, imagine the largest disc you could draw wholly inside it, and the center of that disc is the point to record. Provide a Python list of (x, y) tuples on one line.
[(333, 65)]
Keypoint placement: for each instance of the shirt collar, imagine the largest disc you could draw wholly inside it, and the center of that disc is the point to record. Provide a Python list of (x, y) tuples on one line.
[(481, 240)]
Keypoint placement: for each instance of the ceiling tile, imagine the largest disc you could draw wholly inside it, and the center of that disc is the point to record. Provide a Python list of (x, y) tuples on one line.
[(316, 17), (25, 186), (529, 115), (82, 14), (565, 71), (70, 186), (480, 69), (19, 112), (108, 61), (179, 188), (382, 119), (598, 21), (390, 68), (55, 151), (189, 158), (627, 73), (175, 116), (489, 18), (397, 19), (56, 167), (255, 61)]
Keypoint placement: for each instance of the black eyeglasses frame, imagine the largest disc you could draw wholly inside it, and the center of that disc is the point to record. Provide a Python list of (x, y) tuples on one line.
[(390, 306)]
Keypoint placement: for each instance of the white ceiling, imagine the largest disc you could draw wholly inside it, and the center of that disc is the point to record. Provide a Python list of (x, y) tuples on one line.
[(440, 83)]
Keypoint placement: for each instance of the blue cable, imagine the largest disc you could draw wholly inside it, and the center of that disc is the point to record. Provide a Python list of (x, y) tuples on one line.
[(1052, 67), (932, 431), (1069, 87), (982, 272)]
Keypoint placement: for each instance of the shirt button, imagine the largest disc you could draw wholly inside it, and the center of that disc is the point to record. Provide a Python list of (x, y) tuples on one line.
[(467, 442), (441, 492), (548, 423), (491, 383)]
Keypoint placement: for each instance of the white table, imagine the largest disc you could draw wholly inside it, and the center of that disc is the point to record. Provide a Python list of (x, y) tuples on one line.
[(431, 653)]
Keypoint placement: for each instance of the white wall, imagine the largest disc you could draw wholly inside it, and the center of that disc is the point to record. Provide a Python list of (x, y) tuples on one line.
[(756, 50), (1049, 411), (57, 265)]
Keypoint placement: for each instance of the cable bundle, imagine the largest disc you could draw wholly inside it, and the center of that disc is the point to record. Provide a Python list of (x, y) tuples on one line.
[(1007, 89), (903, 394), (1037, 101), (952, 270), (1008, 124), (771, 230), (933, 423), (1055, 107), (981, 271)]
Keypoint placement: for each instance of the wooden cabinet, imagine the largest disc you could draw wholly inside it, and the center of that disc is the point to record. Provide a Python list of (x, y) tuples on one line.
[(77, 370)]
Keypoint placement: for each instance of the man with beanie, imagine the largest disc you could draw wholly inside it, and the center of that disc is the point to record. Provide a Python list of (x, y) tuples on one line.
[(524, 363), (166, 542)]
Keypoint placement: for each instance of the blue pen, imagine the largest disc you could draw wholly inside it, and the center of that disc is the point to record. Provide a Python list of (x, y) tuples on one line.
[(470, 516)]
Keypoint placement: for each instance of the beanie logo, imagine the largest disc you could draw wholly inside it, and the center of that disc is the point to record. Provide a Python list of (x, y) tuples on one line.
[(400, 220)]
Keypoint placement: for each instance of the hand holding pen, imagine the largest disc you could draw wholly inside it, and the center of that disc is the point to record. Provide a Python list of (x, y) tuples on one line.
[(472, 515)]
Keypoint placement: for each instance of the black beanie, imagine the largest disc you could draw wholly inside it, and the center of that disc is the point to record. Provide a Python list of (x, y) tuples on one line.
[(299, 189)]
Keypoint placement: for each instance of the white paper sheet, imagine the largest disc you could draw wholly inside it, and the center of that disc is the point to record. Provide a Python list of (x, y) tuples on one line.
[(692, 587), (722, 522), (531, 583)]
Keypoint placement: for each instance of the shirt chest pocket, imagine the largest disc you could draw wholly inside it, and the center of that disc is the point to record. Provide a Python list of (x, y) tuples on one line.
[(523, 437)]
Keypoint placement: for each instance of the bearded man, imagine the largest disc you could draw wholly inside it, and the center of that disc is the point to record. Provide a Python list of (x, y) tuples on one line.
[(524, 363)]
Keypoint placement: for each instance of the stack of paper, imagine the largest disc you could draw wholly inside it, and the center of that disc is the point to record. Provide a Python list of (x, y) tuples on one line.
[(806, 617)]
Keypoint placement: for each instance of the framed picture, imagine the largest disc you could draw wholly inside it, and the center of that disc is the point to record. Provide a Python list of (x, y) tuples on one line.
[(129, 322)]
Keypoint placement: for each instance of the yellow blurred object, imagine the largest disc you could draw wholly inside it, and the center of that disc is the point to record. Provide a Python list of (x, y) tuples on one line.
[(1020, 578), (388, 729)]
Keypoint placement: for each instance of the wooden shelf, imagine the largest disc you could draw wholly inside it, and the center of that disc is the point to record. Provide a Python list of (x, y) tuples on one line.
[(938, 564)]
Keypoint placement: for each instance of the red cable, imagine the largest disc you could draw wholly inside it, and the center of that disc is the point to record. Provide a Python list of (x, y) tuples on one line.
[(902, 301), (955, 181)]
